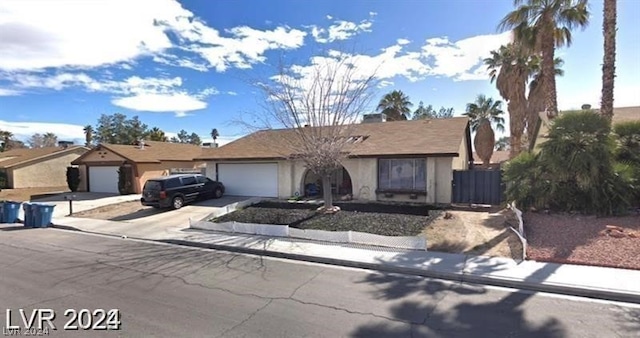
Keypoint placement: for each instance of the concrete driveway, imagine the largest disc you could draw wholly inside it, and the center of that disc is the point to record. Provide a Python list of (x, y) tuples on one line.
[(152, 223)]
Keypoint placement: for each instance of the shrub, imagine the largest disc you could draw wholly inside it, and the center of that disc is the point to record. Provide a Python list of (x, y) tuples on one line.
[(574, 171), (73, 178), (125, 179)]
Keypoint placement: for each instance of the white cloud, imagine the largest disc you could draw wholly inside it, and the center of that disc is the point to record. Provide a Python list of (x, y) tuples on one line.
[(403, 42), (9, 92), (329, 17), (182, 114), (39, 34), (460, 59), (232, 93), (171, 102), (24, 130), (385, 83), (341, 30)]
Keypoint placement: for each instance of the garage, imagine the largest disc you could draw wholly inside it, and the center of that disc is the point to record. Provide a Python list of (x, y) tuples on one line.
[(249, 179), (103, 179)]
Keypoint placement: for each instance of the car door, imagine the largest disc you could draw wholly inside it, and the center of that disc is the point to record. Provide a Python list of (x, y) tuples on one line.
[(190, 187), (206, 187)]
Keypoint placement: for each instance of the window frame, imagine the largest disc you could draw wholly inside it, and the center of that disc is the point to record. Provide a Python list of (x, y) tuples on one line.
[(413, 190)]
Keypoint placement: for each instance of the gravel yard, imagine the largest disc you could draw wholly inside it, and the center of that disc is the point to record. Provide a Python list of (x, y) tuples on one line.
[(305, 217), (585, 240)]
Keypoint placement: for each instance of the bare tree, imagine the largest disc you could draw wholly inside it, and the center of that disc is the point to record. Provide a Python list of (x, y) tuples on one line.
[(319, 104)]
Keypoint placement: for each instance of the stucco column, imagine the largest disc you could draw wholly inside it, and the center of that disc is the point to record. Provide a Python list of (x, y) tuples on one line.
[(431, 180)]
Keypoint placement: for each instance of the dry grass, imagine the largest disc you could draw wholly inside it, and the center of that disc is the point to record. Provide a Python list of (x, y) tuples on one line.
[(24, 194), (578, 239), (474, 232)]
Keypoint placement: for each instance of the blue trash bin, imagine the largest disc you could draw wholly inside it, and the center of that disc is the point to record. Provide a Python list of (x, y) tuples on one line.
[(10, 211), (28, 214), (1, 212), (42, 214)]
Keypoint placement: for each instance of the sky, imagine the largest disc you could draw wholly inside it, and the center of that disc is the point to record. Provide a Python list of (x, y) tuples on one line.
[(193, 64)]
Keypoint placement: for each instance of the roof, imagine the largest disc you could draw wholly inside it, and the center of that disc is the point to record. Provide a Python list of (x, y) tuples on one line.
[(398, 138), (14, 157), (498, 156), (153, 152)]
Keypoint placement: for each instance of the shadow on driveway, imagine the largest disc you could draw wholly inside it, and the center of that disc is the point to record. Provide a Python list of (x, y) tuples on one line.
[(79, 196)]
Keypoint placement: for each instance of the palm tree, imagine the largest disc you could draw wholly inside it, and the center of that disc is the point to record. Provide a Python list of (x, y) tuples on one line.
[(88, 135), (609, 60), (543, 25), (214, 135), (483, 113), (156, 134), (396, 105), (513, 66)]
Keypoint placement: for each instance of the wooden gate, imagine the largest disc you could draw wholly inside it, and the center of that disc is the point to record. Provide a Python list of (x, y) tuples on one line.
[(477, 187)]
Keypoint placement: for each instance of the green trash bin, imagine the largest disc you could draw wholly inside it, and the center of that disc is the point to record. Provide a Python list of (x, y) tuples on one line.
[(10, 211), (42, 214)]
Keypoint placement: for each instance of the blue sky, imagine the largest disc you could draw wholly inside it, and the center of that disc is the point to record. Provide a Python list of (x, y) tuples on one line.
[(188, 64)]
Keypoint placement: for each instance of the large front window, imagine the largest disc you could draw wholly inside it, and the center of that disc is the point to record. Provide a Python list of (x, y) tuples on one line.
[(402, 174)]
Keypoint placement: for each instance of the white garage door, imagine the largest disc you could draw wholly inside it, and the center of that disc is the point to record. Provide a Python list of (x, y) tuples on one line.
[(103, 179), (249, 179)]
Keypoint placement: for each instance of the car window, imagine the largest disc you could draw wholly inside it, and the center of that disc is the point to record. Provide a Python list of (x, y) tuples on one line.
[(188, 180), (172, 183), (202, 179), (152, 185)]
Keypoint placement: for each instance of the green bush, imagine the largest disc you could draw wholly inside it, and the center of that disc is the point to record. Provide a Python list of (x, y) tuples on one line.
[(73, 178), (574, 171)]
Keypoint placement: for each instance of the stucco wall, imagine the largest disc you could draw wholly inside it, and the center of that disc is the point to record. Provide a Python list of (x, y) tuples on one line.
[(83, 178), (146, 171), (461, 162), (48, 173), (102, 155), (364, 179)]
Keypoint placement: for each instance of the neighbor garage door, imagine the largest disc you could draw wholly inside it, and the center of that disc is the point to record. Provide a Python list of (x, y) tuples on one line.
[(249, 179), (103, 179)]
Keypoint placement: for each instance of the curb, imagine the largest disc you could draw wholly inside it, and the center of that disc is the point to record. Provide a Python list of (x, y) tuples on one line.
[(465, 277), (602, 294)]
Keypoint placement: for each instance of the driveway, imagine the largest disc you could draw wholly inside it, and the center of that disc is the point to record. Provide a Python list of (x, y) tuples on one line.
[(151, 223), (81, 201)]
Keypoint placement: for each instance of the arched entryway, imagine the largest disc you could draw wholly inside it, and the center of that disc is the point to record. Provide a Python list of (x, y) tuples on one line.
[(340, 183)]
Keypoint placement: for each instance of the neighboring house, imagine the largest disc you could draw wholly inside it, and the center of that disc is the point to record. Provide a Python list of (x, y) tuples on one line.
[(387, 161), (623, 114), (498, 157), (37, 167), (99, 167)]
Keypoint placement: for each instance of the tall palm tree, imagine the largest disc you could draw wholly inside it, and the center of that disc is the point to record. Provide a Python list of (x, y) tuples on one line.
[(88, 135), (156, 134), (610, 13), (214, 135), (396, 105), (543, 25), (536, 96), (483, 113)]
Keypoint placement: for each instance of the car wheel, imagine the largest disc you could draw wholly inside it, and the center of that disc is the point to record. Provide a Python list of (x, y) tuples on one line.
[(217, 193), (177, 202)]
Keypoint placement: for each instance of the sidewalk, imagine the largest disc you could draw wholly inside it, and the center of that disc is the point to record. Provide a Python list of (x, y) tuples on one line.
[(586, 281)]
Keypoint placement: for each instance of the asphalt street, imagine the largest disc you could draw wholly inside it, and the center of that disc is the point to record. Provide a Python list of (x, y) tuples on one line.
[(170, 291)]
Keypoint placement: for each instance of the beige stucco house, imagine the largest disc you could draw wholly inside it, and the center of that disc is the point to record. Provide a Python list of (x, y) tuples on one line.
[(38, 167), (410, 161), (99, 167)]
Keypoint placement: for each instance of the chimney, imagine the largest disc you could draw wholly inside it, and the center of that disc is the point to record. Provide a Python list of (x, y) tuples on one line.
[(374, 118), (141, 144), (207, 145)]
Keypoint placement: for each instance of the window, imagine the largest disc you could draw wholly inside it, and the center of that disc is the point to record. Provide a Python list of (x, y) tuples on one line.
[(172, 183), (202, 179), (188, 180), (402, 174)]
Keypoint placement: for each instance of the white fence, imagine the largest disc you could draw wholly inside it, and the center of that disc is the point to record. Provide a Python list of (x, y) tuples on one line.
[(520, 230), (354, 237)]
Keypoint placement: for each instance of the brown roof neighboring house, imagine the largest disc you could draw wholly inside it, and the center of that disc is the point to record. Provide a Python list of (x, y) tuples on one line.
[(436, 137), (15, 157), (620, 114), (498, 157), (151, 152)]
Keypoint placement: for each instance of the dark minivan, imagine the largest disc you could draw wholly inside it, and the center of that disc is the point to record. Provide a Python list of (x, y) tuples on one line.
[(177, 190)]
